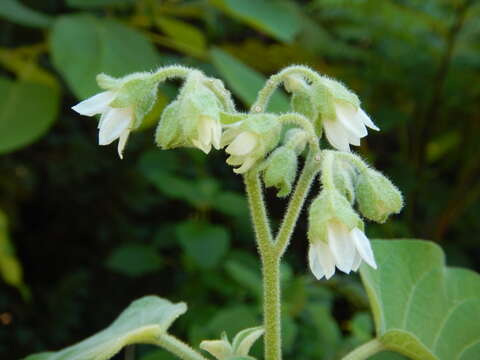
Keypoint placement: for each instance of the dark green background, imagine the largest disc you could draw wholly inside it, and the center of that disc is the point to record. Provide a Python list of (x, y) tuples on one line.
[(93, 232)]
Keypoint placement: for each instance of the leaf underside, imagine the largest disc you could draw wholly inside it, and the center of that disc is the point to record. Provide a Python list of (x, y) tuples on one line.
[(422, 308)]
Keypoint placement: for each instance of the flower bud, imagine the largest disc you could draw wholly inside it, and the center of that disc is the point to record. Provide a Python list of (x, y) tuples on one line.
[(238, 349), (377, 197), (280, 170), (296, 139), (344, 176), (251, 140), (168, 134)]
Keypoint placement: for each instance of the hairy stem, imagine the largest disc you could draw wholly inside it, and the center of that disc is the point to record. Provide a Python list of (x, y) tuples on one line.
[(178, 347), (296, 203), (258, 213), (271, 306), (366, 350)]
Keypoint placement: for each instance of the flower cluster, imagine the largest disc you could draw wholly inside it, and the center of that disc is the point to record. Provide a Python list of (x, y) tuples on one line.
[(202, 116)]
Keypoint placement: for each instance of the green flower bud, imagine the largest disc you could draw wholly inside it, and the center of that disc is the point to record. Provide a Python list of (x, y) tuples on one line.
[(238, 349), (280, 170), (169, 133), (251, 140), (296, 139), (344, 177), (377, 197)]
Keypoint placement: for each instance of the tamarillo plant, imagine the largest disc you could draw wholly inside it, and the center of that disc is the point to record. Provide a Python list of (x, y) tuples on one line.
[(421, 309)]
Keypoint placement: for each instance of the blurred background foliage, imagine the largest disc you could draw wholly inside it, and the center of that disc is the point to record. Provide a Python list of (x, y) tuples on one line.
[(82, 233)]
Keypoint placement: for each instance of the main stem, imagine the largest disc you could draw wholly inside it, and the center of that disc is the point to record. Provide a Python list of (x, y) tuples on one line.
[(271, 252)]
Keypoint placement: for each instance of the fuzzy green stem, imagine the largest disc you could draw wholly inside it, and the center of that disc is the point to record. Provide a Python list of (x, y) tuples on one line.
[(297, 201), (271, 306), (178, 347), (272, 84), (258, 213), (366, 350), (173, 71)]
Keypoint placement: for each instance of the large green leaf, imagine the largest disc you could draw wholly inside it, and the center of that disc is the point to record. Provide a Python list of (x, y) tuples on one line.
[(244, 81), (83, 46), (206, 244), (278, 18), (98, 3), (142, 322), (27, 110), (134, 260), (421, 308), (18, 13)]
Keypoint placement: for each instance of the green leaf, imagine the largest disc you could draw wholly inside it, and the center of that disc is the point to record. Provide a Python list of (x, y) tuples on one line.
[(204, 243), (142, 322), (421, 308), (134, 260), (18, 13), (159, 355), (247, 277), (27, 110), (244, 81), (278, 18), (183, 37), (83, 46), (84, 4), (10, 268)]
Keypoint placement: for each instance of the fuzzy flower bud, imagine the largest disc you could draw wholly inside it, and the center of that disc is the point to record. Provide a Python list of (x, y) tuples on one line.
[(193, 119), (123, 105), (280, 170), (377, 197), (238, 349), (336, 236), (251, 140)]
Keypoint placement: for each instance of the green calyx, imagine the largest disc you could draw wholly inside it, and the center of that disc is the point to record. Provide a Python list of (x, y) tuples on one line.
[(330, 205), (280, 170), (377, 197)]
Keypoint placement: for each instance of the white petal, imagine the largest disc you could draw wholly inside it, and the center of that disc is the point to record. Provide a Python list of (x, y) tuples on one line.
[(347, 115), (243, 144), (336, 134), (122, 141), (314, 263), (324, 258), (363, 246), (204, 132), (363, 117), (216, 134), (115, 121), (96, 104), (247, 164), (357, 261), (352, 139), (204, 147), (220, 349), (245, 345), (341, 245)]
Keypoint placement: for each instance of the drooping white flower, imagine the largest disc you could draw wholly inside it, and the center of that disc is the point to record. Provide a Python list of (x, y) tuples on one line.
[(242, 151), (343, 249), (347, 126), (250, 140), (209, 133), (115, 123)]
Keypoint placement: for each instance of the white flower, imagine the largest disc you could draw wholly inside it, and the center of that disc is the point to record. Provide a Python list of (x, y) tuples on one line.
[(343, 249), (348, 126), (209, 133), (242, 151), (115, 123)]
